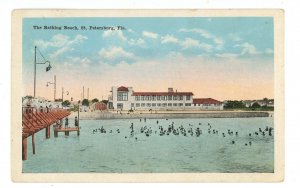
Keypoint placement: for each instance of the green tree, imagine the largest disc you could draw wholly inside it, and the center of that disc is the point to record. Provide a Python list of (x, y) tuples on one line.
[(234, 104), (66, 103), (255, 105), (105, 101), (95, 100), (85, 102)]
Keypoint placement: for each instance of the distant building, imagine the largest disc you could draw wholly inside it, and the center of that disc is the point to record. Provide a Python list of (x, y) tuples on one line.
[(124, 98), (248, 103), (207, 104), (40, 103), (84, 108), (98, 106), (264, 102)]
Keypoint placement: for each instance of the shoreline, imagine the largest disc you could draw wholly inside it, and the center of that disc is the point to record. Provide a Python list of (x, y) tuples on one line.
[(173, 115)]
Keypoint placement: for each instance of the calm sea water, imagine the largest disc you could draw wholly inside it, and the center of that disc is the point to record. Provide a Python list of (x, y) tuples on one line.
[(112, 152)]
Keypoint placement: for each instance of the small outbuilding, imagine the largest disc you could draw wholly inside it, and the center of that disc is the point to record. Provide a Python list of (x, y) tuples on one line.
[(98, 106)]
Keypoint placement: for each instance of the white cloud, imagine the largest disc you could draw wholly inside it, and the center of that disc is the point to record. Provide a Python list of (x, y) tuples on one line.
[(186, 43), (131, 31), (248, 49), (234, 37), (206, 47), (168, 39), (78, 39), (113, 53), (269, 51), (137, 42), (189, 43), (114, 33), (77, 61), (150, 34), (173, 54), (60, 40), (85, 62), (217, 40), (120, 35), (227, 55), (71, 63), (61, 51)]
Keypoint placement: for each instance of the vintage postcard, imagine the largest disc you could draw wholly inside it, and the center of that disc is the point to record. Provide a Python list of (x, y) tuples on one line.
[(147, 96)]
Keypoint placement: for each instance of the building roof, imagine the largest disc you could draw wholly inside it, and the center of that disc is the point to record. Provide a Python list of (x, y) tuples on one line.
[(99, 105), (122, 88), (206, 101), (161, 93)]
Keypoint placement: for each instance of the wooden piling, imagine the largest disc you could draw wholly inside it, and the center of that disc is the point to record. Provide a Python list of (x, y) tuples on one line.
[(34, 120), (48, 132), (24, 149), (66, 133), (55, 133), (33, 144)]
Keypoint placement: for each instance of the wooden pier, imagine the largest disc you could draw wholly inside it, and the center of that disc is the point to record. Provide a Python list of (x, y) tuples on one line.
[(66, 131), (34, 120)]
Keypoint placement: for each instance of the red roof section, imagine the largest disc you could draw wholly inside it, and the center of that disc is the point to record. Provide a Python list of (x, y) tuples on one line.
[(122, 88), (206, 101), (161, 93)]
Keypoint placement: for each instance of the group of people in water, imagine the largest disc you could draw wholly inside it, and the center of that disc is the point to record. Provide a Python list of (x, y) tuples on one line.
[(191, 131)]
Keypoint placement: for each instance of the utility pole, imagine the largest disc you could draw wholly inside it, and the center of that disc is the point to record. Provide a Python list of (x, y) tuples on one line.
[(88, 93), (34, 83), (54, 87), (35, 63), (62, 94), (82, 92)]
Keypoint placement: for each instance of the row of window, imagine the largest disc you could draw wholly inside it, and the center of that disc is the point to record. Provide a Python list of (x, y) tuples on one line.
[(122, 96), (161, 98), (206, 105), (159, 104)]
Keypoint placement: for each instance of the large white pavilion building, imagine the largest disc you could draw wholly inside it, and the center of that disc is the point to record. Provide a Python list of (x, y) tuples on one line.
[(124, 98)]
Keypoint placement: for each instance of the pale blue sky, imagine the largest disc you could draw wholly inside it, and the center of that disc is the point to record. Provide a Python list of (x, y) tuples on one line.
[(212, 41)]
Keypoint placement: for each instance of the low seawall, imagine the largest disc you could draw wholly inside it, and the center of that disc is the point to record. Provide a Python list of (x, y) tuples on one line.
[(223, 114)]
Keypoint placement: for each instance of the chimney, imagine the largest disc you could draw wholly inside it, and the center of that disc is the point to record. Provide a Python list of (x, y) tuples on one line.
[(170, 90)]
